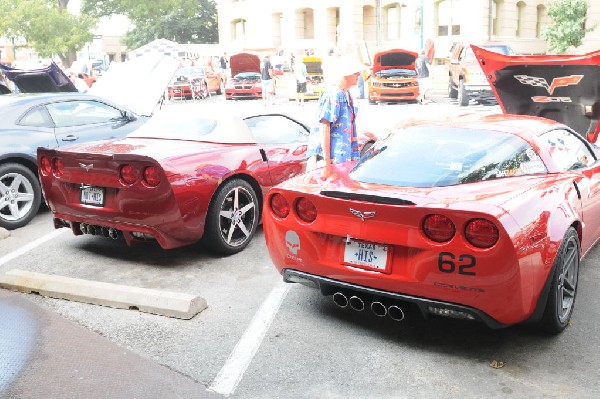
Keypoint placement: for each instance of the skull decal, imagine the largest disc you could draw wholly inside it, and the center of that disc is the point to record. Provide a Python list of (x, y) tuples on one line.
[(292, 241)]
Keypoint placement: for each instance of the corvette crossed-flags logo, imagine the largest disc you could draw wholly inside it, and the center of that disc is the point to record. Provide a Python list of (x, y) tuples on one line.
[(556, 82)]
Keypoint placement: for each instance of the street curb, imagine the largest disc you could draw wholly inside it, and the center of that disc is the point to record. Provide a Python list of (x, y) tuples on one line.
[(171, 304)]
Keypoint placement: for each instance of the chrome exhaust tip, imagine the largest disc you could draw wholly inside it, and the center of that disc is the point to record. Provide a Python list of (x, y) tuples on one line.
[(90, 229), (396, 313), (379, 309), (340, 299), (113, 233), (83, 228), (105, 232), (356, 303)]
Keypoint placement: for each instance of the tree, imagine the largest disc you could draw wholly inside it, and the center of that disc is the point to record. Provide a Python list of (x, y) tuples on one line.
[(182, 21), (568, 27), (47, 27)]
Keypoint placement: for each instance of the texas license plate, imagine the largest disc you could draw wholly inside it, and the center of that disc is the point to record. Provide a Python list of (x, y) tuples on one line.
[(366, 254), (92, 196)]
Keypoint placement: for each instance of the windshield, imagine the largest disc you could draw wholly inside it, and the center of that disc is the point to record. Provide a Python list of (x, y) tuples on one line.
[(441, 156)]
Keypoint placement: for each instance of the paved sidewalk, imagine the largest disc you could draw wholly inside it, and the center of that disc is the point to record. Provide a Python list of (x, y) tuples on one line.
[(43, 355)]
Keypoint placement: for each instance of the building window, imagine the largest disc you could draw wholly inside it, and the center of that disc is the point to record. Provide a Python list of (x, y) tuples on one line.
[(305, 24), (497, 17), (238, 29), (520, 18), (449, 17)]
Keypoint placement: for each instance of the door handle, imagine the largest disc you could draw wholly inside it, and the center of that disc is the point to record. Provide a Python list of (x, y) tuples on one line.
[(70, 137)]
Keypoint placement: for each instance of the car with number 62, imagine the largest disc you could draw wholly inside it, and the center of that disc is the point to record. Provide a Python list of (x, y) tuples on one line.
[(477, 218)]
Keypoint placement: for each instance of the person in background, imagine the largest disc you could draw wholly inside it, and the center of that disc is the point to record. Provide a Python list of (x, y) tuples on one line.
[(224, 64), (422, 67), (335, 139), (267, 79), (301, 75), (79, 83)]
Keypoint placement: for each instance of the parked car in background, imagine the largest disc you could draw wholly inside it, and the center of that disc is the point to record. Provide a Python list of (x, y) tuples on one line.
[(195, 82), (393, 77), (466, 80), (245, 81), (286, 84), (182, 177), (53, 119), (481, 218)]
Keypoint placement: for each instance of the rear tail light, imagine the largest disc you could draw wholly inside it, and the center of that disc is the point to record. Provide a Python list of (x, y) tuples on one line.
[(127, 174), (306, 210), (45, 166), (481, 233), (438, 228), (151, 176), (58, 167), (279, 205)]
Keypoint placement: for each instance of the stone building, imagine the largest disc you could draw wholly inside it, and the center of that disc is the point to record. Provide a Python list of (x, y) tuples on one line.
[(322, 26)]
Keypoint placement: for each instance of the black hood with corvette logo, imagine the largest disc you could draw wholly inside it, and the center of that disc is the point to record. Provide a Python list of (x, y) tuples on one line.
[(564, 88)]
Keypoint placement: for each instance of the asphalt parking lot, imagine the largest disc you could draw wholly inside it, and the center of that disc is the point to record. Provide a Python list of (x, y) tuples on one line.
[(260, 338)]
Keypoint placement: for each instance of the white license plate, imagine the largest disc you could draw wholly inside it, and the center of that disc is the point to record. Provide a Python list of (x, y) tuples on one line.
[(366, 254), (92, 196)]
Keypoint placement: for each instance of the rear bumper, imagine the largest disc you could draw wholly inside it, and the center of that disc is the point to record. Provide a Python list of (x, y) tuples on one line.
[(426, 306), (479, 92)]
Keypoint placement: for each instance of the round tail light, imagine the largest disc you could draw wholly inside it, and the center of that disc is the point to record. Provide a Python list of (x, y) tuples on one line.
[(481, 233), (127, 174), (279, 205), (45, 166), (306, 210), (438, 228), (151, 176), (58, 167)]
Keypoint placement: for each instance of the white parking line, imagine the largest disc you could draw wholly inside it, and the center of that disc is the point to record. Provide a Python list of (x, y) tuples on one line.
[(232, 372), (26, 248)]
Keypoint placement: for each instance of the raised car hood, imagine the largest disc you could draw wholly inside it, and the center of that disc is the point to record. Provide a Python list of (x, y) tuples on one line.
[(394, 59), (244, 62), (43, 80), (564, 88), (137, 84)]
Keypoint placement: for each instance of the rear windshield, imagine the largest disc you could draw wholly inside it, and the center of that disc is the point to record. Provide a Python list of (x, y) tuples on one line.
[(441, 156), (166, 125)]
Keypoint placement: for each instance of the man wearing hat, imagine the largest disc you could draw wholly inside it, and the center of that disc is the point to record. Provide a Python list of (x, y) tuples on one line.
[(335, 139)]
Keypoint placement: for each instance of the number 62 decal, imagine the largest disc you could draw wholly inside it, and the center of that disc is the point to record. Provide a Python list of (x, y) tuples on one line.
[(450, 263)]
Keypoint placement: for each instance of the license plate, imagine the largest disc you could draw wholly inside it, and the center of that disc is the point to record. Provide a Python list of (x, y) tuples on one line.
[(92, 196), (176, 91), (366, 254)]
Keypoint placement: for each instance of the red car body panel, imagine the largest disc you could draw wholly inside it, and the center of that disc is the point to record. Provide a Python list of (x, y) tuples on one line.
[(393, 88), (245, 81), (174, 211), (559, 87), (531, 212)]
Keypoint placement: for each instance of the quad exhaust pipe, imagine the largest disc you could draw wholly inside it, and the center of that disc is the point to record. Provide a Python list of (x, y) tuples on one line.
[(108, 232), (378, 308)]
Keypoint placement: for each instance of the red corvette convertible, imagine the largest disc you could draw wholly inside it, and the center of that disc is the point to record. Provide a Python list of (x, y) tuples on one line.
[(181, 178), (476, 218)]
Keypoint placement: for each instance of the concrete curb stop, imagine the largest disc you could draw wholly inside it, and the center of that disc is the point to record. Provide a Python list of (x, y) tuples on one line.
[(4, 233), (171, 304)]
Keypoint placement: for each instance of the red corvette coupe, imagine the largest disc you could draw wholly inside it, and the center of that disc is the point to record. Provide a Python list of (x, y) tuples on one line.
[(181, 178), (476, 218)]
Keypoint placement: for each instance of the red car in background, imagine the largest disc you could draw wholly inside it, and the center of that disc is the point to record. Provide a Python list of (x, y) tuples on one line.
[(195, 82), (180, 178), (245, 81), (476, 218), (393, 77)]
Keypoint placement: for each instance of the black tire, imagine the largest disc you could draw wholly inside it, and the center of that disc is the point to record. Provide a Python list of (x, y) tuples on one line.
[(452, 92), (229, 228), (370, 100), (563, 289), (21, 202), (463, 97)]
